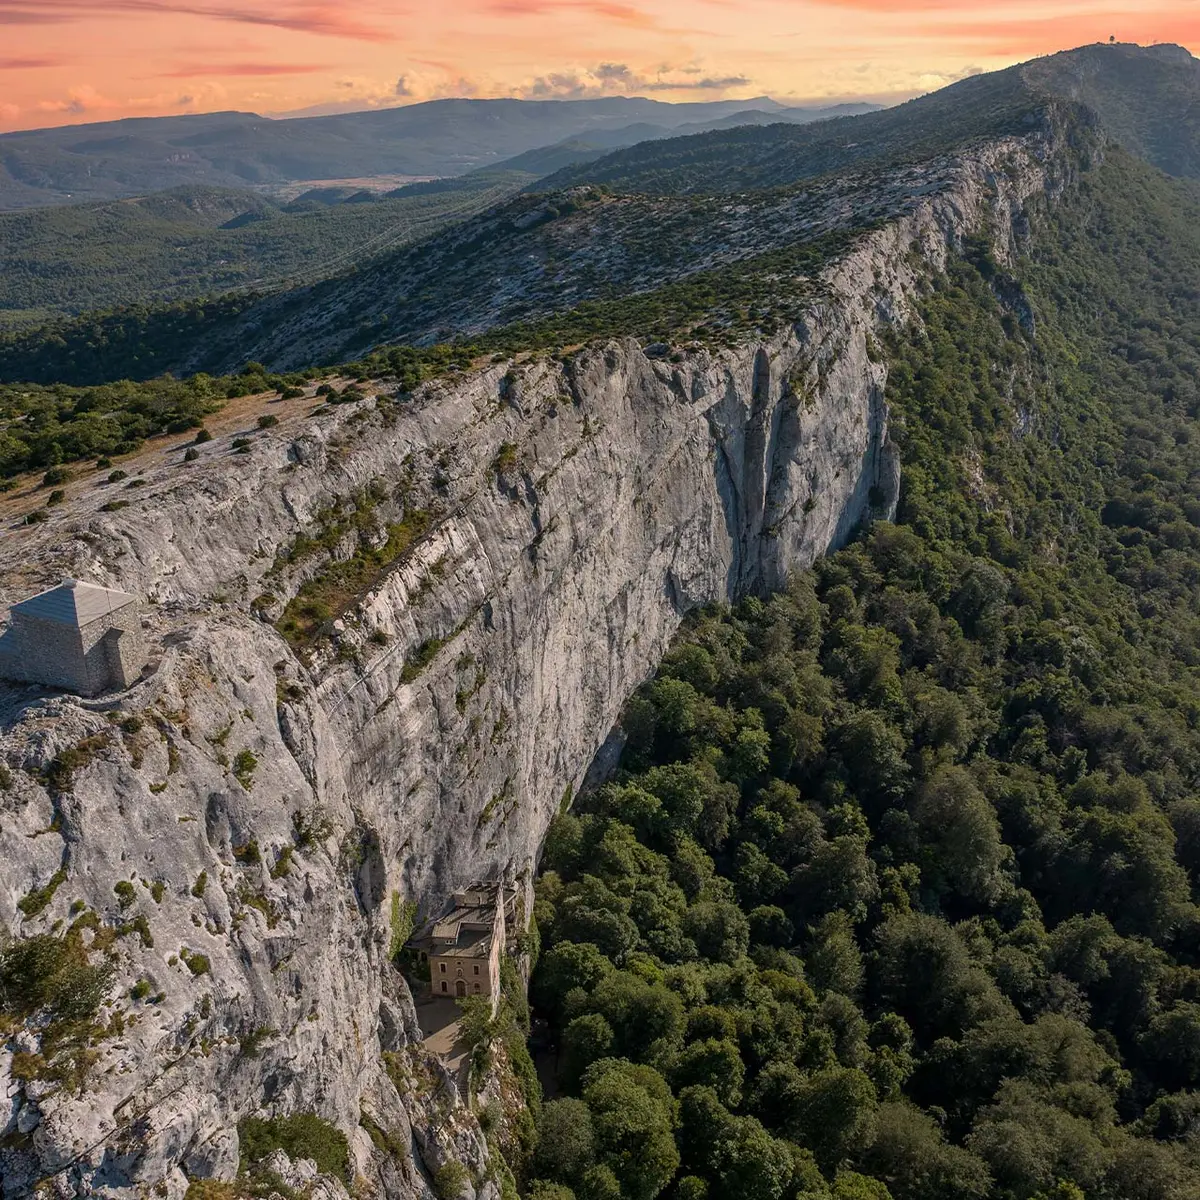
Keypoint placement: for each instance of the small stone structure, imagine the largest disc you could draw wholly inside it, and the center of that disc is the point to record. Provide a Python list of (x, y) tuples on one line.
[(464, 947), (78, 637)]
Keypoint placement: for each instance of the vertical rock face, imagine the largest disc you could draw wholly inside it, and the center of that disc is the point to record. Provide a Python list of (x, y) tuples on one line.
[(269, 804)]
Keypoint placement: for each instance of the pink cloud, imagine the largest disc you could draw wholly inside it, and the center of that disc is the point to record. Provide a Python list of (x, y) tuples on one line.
[(324, 19), (901, 7), (22, 16), (242, 69), (79, 100), (624, 14)]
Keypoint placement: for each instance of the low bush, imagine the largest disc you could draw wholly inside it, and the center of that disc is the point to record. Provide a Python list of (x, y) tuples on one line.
[(303, 1135)]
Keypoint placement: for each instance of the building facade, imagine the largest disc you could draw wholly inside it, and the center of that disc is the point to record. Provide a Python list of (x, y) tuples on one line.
[(465, 946), (78, 637)]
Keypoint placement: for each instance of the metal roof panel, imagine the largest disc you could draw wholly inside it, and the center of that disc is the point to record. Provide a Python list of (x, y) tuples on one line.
[(73, 603)]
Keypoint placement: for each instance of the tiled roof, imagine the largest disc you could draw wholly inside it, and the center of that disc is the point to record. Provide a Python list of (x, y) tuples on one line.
[(73, 603), (475, 943)]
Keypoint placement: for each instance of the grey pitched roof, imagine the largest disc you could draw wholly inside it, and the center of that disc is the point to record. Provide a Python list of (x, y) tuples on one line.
[(73, 603)]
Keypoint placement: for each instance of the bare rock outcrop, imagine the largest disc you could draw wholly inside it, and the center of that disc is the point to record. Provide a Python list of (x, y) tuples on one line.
[(534, 534)]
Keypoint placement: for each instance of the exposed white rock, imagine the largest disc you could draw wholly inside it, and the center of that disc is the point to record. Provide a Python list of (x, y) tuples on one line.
[(582, 509)]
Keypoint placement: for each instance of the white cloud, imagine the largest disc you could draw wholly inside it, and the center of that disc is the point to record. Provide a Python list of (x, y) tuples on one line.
[(610, 78)]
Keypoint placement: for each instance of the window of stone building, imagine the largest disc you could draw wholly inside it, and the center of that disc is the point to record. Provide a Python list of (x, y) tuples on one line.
[(476, 970), (443, 967), (444, 988)]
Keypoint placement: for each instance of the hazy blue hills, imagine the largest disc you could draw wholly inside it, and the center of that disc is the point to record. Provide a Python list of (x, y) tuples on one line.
[(588, 147), (442, 137)]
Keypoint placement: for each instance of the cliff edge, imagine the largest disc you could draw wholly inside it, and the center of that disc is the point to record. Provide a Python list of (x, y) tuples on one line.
[(387, 643)]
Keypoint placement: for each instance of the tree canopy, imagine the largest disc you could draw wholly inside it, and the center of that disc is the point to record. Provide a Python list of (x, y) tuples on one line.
[(895, 891)]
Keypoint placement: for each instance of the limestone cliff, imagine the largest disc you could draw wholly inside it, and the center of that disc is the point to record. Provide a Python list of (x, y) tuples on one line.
[(535, 533)]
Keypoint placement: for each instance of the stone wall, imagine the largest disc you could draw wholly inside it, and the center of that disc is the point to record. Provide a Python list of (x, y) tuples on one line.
[(48, 652), (106, 654), (499, 926), (113, 649)]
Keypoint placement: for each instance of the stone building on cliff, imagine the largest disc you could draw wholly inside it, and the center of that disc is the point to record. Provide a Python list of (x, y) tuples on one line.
[(464, 947), (78, 637)]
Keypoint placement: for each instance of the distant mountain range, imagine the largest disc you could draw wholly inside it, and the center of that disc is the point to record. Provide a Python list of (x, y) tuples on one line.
[(587, 147), (117, 159)]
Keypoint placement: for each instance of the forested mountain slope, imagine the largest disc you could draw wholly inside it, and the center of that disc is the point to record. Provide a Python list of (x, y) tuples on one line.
[(199, 241), (583, 254), (1148, 98), (542, 254), (673, 216), (111, 159), (1145, 97), (756, 157), (588, 147), (896, 891)]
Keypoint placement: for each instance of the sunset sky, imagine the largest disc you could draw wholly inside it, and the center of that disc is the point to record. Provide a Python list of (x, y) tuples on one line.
[(65, 61)]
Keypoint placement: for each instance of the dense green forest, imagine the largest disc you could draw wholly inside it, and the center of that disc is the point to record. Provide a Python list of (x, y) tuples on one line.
[(895, 893), (198, 241), (54, 425)]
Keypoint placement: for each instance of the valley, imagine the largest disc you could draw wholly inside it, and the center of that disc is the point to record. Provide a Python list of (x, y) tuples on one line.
[(197, 242)]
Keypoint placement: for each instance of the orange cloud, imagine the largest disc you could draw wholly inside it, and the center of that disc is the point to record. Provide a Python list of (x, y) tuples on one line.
[(609, 79), (323, 19), (1032, 37), (79, 100), (624, 14), (242, 69), (29, 64), (898, 7)]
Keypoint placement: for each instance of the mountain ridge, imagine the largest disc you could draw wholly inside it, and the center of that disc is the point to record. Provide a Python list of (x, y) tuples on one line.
[(545, 252), (115, 159)]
